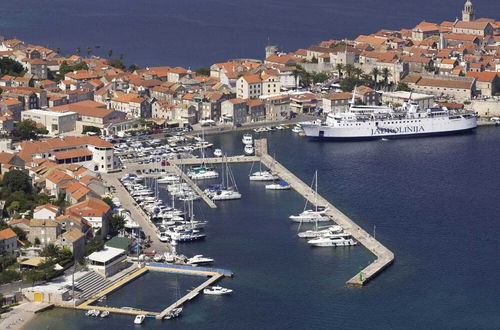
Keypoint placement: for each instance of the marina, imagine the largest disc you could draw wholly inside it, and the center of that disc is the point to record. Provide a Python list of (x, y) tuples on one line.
[(213, 274), (384, 257)]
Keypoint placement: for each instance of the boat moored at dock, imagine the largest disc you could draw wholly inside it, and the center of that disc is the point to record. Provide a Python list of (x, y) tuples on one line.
[(377, 122)]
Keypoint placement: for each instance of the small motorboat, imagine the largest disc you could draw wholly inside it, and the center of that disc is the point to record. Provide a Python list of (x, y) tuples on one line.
[(176, 312), (247, 139), (93, 312), (217, 291), (199, 260), (218, 153), (104, 314), (139, 319), (249, 150)]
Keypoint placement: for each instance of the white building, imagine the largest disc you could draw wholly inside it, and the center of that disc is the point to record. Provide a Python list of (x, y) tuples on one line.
[(106, 262), (424, 101), (54, 122)]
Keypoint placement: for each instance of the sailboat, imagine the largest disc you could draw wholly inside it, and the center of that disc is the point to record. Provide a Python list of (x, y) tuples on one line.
[(262, 175), (186, 233), (228, 189), (316, 215), (202, 172)]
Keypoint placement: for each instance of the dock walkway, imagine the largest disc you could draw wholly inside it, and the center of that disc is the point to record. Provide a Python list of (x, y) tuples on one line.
[(194, 186), (384, 256), (192, 294)]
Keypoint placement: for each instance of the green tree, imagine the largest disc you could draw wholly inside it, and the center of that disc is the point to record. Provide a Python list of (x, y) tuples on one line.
[(403, 87), (357, 72), (117, 63), (17, 180), (348, 84), (385, 74), (65, 68), (58, 50), (375, 73), (34, 276), (37, 241), (8, 275), (51, 251), (78, 50), (320, 77), (89, 51), (340, 68), (27, 130), (93, 245), (92, 129), (120, 57), (314, 59), (110, 52), (349, 68), (21, 234), (133, 67), (117, 222), (204, 71), (11, 67), (14, 207), (109, 201)]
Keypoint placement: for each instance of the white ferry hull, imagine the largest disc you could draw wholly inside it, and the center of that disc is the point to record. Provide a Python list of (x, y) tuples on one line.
[(389, 128)]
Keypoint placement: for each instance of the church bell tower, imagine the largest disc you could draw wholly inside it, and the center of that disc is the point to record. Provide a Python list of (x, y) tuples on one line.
[(468, 12)]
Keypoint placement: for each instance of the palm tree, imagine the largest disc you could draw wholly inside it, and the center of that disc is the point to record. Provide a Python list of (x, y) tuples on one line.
[(89, 50), (78, 50), (340, 68), (385, 74), (121, 57), (110, 52), (349, 69), (375, 72), (58, 50), (357, 72)]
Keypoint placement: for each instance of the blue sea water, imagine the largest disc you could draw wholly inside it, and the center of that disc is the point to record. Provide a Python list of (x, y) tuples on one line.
[(195, 33), (433, 201)]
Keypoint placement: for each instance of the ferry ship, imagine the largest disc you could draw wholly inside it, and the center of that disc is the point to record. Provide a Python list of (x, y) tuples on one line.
[(376, 122)]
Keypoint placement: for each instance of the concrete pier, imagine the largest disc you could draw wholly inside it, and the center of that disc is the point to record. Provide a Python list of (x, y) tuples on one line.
[(213, 274), (193, 293), (384, 256), (194, 186)]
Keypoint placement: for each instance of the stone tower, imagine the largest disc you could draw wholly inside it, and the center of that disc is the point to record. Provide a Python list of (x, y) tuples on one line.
[(468, 12), (271, 50)]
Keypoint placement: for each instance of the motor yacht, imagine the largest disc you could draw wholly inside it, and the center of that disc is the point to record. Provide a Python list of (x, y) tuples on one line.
[(217, 291)]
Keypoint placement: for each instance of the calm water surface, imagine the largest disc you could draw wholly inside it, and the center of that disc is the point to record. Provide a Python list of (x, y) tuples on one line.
[(433, 202), (194, 33)]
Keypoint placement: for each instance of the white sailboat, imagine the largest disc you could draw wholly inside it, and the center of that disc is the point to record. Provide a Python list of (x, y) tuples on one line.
[(316, 215), (228, 190), (202, 172), (280, 185), (261, 175)]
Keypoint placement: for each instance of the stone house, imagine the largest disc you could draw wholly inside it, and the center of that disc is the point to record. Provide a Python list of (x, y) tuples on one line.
[(46, 230), (74, 240), (8, 241)]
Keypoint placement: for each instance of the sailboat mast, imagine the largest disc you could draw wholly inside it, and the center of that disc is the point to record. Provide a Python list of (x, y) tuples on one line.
[(316, 189)]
